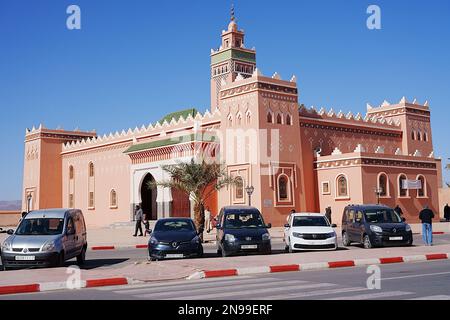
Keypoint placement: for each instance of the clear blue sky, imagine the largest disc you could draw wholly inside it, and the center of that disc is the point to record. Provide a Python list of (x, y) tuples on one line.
[(134, 61)]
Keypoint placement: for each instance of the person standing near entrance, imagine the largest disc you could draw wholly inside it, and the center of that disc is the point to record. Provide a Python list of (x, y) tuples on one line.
[(208, 219), (328, 213), (399, 211), (426, 216), (447, 212), (138, 216)]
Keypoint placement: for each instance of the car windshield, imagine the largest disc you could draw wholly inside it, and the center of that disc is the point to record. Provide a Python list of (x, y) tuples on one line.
[(244, 220), (174, 225), (40, 227), (382, 216), (310, 222)]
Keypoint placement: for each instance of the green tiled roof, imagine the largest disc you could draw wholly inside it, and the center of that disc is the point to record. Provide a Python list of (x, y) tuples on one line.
[(172, 141), (176, 115)]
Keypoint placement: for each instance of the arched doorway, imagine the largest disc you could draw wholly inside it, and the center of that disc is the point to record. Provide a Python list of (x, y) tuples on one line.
[(148, 198)]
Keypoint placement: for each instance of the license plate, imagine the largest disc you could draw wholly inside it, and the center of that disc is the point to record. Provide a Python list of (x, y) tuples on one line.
[(249, 246), (174, 255), (395, 238), (25, 258)]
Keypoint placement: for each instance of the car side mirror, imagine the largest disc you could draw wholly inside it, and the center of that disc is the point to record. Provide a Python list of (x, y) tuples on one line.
[(218, 226), (287, 225), (334, 225), (269, 226), (10, 232), (403, 219)]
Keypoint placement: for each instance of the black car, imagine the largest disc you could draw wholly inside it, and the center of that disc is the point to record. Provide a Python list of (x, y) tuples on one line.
[(374, 226), (174, 238), (242, 229)]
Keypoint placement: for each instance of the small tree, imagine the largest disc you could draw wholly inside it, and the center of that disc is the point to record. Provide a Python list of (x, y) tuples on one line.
[(199, 180)]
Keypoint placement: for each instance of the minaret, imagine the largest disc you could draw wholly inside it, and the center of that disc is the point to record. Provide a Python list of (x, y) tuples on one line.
[(231, 59)]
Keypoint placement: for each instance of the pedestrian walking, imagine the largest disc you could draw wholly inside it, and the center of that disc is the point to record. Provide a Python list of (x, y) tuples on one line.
[(328, 213), (447, 212), (146, 227), (207, 220), (138, 216), (398, 210), (426, 216)]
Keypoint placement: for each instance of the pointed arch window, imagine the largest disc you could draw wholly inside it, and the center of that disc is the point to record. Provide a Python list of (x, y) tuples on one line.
[(422, 191), (279, 118), (239, 119), (341, 186), (113, 199), (71, 173), (71, 187), (413, 135), (248, 117), (283, 188), (91, 186), (239, 188), (289, 120), (383, 184), (425, 136), (91, 170), (269, 117), (402, 191), (419, 136)]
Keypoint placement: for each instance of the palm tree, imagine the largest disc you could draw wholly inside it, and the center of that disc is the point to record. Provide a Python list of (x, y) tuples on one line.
[(199, 180)]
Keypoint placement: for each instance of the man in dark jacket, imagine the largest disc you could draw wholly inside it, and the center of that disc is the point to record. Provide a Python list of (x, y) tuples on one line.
[(328, 213), (398, 210), (139, 216), (447, 212), (426, 216)]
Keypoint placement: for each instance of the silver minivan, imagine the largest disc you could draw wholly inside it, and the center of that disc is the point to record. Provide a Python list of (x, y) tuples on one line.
[(46, 238)]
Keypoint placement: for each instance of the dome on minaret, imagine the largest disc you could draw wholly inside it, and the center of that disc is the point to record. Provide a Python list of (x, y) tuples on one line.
[(232, 26)]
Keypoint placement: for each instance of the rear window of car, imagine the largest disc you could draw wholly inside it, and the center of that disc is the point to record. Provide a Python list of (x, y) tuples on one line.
[(310, 222), (174, 225)]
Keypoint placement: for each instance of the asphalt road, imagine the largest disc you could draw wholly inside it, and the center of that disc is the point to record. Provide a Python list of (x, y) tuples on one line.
[(120, 257), (422, 281)]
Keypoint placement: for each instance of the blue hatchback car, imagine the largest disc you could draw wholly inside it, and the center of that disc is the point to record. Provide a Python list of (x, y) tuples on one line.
[(174, 238)]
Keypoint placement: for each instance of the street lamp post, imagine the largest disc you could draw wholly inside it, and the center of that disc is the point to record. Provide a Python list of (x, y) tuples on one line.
[(249, 190)]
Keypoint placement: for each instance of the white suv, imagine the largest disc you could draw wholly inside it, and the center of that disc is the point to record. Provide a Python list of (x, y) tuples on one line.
[(309, 231)]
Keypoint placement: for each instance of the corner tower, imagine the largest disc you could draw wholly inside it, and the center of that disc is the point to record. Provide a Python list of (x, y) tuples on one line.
[(230, 60)]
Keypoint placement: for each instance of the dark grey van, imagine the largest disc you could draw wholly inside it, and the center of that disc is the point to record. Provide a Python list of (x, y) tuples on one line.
[(374, 226), (46, 238)]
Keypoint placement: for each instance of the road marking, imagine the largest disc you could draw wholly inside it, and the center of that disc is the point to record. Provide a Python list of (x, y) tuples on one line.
[(417, 276), (373, 295), (311, 294), (438, 297), (244, 292), (164, 291), (170, 283)]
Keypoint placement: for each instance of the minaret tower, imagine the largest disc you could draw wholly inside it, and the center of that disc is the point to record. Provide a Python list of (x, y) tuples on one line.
[(231, 59)]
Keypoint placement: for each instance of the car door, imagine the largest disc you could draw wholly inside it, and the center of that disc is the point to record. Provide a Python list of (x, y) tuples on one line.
[(70, 238), (358, 226), (80, 233), (351, 225)]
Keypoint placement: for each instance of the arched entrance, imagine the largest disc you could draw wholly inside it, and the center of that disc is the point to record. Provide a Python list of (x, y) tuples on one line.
[(148, 198)]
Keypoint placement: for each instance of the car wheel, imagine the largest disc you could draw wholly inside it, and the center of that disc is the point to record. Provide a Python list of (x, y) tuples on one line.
[(286, 248), (366, 242), (345, 239), (4, 268), (81, 258), (200, 253)]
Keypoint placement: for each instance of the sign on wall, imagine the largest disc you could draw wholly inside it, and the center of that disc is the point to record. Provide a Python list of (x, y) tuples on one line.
[(412, 184)]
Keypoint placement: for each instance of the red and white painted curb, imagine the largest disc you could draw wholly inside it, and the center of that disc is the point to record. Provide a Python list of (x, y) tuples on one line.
[(315, 266), (63, 285)]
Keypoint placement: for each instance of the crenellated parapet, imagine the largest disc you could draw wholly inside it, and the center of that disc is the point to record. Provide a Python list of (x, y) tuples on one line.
[(347, 118), (60, 134), (145, 132), (388, 110)]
